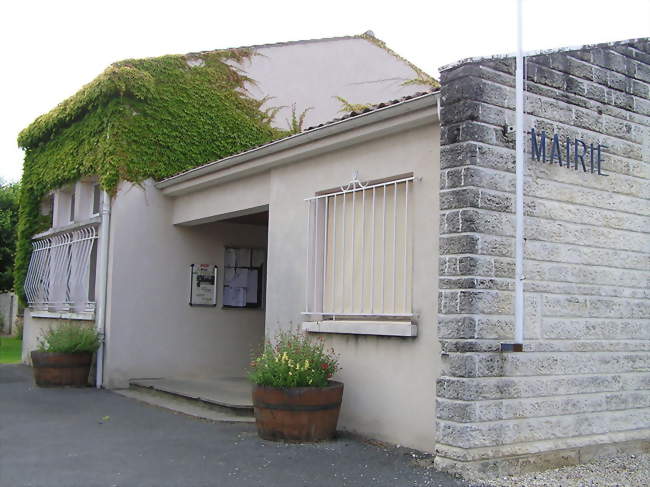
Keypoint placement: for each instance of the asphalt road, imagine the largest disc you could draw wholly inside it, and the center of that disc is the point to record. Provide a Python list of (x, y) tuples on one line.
[(85, 437)]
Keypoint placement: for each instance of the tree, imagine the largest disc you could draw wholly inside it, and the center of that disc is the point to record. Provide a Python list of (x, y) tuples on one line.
[(8, 224)]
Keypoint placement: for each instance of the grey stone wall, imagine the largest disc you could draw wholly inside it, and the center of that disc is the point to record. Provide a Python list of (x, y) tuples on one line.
[(583, 379), (8, 311)]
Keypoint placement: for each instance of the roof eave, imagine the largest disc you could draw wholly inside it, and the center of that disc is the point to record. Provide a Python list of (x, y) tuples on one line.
[(275, 153)]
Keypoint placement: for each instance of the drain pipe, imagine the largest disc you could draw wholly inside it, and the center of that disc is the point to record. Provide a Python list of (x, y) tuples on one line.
[(104, 233), (517, 346)]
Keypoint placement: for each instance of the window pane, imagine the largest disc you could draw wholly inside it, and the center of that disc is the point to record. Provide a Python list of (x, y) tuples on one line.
[(96, 198), (368, 253), (72, 206)]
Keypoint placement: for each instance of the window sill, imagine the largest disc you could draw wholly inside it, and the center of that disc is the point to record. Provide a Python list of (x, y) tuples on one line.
[(63, 315), (378, 328)]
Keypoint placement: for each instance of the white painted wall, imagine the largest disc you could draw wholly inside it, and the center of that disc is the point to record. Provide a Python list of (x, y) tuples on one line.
[(242, 195), (34, 327), (389, 382), (312, 73), (151, 330)]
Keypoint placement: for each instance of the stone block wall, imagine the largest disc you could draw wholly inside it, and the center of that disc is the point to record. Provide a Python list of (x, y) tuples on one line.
[(583, 379)]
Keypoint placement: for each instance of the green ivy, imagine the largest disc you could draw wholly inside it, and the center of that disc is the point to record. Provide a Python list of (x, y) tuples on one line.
[(141, 118)]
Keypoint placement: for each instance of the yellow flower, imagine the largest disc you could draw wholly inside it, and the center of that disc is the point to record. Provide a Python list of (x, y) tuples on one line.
[(306, 364), (285, 357), (290, 373)]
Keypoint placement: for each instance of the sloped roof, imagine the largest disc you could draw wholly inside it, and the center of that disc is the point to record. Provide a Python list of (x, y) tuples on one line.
[(123, 79), (343, 118)]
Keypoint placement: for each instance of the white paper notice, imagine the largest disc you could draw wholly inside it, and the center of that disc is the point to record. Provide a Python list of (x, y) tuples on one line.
[(203, 285), (259, 256), (251, 293), (234, 296), (230, 258), (228, 275), (243, 258), (238, 278)]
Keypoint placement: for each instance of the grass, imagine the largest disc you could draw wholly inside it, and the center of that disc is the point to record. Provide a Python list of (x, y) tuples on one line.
[(10, 350)]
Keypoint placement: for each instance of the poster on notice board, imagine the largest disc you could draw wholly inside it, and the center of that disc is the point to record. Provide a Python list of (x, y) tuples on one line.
[(203, 285)]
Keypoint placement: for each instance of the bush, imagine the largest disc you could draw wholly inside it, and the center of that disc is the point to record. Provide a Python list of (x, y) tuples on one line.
[(69, 338), (294, 361)]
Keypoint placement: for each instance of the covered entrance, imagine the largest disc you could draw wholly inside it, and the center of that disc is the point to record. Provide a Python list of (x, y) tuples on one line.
[(204, 343)]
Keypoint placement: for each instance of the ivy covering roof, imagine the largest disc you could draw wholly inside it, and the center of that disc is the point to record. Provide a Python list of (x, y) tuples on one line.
[(141, 118), (145, 118)]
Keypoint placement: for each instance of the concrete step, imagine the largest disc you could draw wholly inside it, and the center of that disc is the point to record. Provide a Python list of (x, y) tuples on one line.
[(224, 399)]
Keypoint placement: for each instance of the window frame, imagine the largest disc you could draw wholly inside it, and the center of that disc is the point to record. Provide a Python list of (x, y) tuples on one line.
[(61, 269), (96, 188), (318, 242)]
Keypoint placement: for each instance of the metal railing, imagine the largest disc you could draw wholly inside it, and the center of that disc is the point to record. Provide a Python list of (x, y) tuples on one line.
[(359, 252), (60, 271)]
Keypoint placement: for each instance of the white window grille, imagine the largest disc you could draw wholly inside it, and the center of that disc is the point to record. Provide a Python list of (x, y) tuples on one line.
[(360, 252), (60, 271)]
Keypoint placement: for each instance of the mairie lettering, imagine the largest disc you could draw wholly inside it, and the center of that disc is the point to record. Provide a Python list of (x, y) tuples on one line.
[(570, 153)]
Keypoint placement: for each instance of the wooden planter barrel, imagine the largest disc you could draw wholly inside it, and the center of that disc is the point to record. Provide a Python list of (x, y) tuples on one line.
[(61, 369), (297, 413)]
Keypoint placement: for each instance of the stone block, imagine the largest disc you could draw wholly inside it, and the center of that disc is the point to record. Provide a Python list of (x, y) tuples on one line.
[(480, 388), (459, 244), (481, 221), (474, 131), (497, 246), (534, 407), (456, 327), (596, 329), (487, 434), (485, 302), (591, 256), (459, 198)]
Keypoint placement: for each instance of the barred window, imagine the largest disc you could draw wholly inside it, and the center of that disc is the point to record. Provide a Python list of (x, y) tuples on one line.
[(360, 251), (61, 269)]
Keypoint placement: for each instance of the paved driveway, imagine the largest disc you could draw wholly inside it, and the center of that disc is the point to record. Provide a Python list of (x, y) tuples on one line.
[(85, 437)]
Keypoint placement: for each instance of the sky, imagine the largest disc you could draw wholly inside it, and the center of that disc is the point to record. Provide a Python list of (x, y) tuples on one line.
[(52, 48)]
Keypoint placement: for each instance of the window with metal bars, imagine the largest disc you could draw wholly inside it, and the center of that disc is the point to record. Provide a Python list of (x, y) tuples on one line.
[(360, 252), (61, 269)]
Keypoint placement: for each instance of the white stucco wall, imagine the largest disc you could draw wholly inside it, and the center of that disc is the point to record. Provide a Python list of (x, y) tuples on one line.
[(35, 326), (389, 393), (242, 196), (389, 381), (311, 73), (151, 330)]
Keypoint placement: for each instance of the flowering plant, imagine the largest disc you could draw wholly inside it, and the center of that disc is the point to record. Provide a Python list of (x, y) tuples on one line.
[(294, 361)]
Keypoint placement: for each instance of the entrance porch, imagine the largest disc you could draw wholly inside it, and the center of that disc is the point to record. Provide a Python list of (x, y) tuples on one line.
[(218, 399)]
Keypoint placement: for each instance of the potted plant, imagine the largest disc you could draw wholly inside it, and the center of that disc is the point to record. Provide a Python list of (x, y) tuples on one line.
[(293, 396), (64, 355)]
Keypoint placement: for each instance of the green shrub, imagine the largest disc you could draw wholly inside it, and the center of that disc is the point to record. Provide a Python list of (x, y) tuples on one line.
[(294, 361), (69, 338)]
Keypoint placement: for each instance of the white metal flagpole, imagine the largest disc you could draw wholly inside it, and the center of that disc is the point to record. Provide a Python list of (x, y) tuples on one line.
[(519, 188)]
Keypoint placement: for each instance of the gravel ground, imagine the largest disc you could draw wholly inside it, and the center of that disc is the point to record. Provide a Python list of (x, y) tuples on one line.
[(621, 471)]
